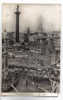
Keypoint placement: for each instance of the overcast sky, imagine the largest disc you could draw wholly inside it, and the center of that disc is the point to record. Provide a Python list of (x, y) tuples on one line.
[(31, 16)]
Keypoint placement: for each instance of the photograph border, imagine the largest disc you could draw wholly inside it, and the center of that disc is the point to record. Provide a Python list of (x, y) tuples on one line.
[(28, 94)]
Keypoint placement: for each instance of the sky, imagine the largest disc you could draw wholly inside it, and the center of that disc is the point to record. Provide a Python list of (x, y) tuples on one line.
[(32, 16)]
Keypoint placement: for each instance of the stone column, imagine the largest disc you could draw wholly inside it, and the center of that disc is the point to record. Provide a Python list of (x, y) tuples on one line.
[(17, 23)]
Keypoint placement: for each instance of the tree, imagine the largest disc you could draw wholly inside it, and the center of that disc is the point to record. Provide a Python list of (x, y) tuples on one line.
[(10, 38)]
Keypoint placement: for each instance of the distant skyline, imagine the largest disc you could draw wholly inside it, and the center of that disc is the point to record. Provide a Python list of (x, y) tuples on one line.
[(31, 16)]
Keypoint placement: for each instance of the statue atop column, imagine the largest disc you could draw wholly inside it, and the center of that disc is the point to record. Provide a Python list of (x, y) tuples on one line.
[(17, 23)]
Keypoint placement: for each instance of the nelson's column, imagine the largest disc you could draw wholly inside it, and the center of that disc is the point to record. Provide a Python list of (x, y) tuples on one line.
[(17, 23)]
